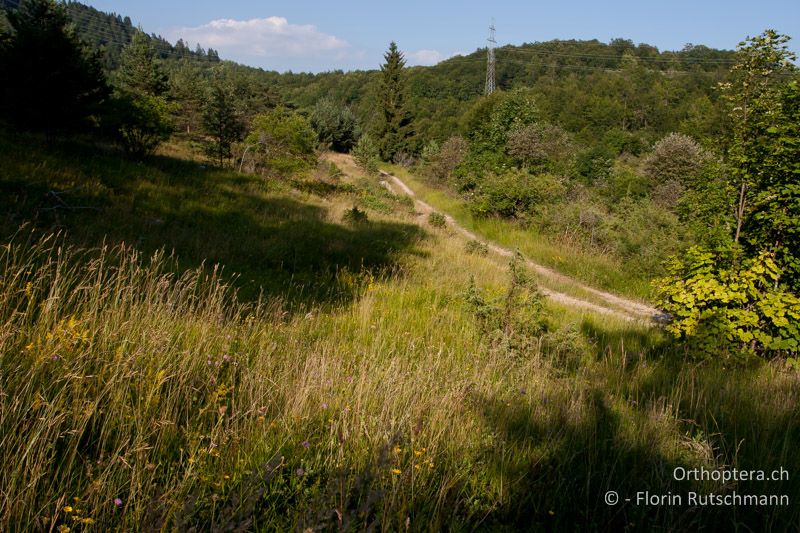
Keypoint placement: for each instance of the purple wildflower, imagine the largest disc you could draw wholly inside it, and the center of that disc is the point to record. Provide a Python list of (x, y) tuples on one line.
[(300, 471), (118, 502), (306, 444)]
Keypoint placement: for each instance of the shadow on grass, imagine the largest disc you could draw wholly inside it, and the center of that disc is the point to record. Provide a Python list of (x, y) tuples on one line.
[(262, 231), (640, 415)]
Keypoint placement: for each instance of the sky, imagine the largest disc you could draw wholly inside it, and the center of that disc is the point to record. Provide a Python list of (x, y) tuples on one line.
[(301, 35)]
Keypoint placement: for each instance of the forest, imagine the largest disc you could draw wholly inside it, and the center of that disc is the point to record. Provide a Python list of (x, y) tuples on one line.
[(234, 299)]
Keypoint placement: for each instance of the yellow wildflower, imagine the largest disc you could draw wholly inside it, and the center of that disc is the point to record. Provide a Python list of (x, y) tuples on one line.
[(396, 471), (68, 509), (88, 521), (63, 529)]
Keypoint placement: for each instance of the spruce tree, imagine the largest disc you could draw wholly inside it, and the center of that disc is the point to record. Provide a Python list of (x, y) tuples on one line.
[(221, 124), (396, 129), (50, 81), (140, 72)]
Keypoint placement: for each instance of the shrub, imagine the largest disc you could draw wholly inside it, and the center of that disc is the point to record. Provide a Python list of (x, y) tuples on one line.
[(514, 320), (717, 303), (538, 144), (516, 194), (355, 216), (141, 122), (284, 141), (677, 158), (437, 220), (474, 247), (366, 154), (336, 126), (439, 163)]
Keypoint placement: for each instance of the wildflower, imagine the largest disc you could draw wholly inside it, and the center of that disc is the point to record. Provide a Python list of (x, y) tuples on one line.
[(417, 467), (300, 472), (324, 405), (260, 419), (551, 513), (68, 509), (118, 502), (226, 477), (63, 529), (396, 471), (87, 521), (418, 452), (306, 444), (225, 358), (397, 449)]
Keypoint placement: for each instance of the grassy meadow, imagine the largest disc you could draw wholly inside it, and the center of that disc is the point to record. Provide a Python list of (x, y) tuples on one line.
[(186, 348)]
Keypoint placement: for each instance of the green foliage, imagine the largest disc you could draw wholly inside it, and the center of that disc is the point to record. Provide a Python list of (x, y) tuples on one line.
[(540, 146), (396, 130), (512, 320), (222, 124), (516, 194), (336, 126), (675, 158), (141, 115), (50, 81), (366, 154), (478, 248), (355, 216), (284, 142), (437, 220), (140, 72), (719, 304), (141, 122)]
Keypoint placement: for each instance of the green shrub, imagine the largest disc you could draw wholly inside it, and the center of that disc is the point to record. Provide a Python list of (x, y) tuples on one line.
[(355, 216), (474, 247), (719, 304), (284, 142), (514, 320), (437, 220), (366, 154)]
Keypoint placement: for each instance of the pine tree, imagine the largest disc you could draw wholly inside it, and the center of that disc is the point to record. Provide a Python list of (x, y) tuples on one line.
[(140, 72), (396, 129), (221, 124), (50, 81)]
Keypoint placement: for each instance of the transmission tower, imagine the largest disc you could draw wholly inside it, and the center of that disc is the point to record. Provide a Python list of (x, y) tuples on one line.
[(490, 63)]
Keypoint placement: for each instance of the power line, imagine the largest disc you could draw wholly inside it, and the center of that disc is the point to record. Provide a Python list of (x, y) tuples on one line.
[(490, 63)]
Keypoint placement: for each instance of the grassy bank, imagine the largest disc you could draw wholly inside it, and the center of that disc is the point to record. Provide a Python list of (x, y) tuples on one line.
[(142, 391)]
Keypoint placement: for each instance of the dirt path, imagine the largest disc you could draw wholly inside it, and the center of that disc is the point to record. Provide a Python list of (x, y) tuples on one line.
[(611, 305)]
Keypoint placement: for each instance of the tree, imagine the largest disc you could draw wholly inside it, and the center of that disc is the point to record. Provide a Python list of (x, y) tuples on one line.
[(396, 128), (752, 98), (366, 154), (51, 82), (141, 112), (539, 144), (283, 141), (140, 70), (221, 123), (336, 125)]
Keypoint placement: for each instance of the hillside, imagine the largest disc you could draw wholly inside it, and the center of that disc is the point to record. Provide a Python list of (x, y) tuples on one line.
[(359, 390), (577, 83), (238, 300)]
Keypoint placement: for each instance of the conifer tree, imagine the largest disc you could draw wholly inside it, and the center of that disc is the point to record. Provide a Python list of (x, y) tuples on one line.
[(50, 81), (140, 72), (396, 128), (221, 124)]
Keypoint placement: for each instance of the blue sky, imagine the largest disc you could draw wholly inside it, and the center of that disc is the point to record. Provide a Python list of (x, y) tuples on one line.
[(301, 35)]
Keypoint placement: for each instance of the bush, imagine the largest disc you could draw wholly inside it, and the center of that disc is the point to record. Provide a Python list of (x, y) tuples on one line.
[(141, 122), (336, 126), (355, 216), (474, 247), (539, 144), (439, 163), (677, 158), (284, 142), (366, 154), (437, 220), (516, 194), (717, 303), (514, 320)]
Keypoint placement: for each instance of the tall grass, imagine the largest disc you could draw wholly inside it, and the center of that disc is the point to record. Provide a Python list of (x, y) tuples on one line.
[(136, 398)]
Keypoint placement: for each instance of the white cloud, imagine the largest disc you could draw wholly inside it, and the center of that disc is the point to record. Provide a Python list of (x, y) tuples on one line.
[(261, 38), (427, 57), (424, 57)]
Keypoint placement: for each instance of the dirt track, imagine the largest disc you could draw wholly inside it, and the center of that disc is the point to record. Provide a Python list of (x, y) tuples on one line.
[(611, 304)]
